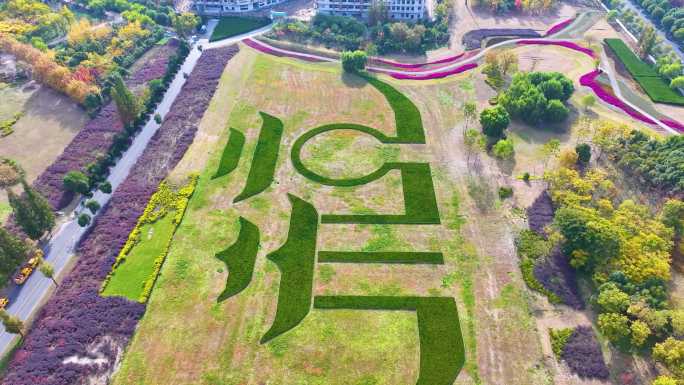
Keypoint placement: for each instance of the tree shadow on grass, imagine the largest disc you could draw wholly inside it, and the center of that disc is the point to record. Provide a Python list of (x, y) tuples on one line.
[(353, 80)]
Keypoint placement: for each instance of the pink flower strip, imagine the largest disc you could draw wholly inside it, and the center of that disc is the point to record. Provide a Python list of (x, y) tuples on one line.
[(589, 80), (267, 50), (433, 75), (673, 124), (559, 26), (562, 43)]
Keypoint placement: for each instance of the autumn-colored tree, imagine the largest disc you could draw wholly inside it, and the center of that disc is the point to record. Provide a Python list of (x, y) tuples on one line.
[(126, 103)]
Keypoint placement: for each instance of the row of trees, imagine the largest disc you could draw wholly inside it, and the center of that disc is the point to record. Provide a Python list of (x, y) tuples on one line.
[(46, 70), (506, 6)]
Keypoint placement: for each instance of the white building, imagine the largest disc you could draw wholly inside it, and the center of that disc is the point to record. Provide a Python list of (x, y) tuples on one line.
[(218, 7), (396, 9)]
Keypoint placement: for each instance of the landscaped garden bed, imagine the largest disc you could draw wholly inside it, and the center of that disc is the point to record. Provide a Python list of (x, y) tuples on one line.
[(77, 318), (230, 26)]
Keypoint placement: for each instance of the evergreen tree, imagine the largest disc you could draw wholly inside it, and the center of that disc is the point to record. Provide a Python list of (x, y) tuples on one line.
[(32, 212), (12, 324), (126, 103), (12, 253)]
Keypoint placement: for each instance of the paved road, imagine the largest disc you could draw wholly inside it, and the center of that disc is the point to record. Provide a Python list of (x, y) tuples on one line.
[(645, 17)]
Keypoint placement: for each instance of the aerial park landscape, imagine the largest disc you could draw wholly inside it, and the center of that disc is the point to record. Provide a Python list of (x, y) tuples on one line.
[(305, 192)]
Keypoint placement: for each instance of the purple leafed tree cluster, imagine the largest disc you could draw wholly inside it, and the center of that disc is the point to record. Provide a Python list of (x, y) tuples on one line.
[(98, 134), (77, 323), (582, 353), (540, 213), (556, 275)]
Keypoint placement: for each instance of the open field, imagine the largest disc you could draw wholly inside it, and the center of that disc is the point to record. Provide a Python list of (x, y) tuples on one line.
[(49, 123)]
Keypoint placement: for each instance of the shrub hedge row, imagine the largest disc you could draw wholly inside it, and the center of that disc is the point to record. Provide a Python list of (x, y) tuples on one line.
[(240, 258), (295, 260), (442, 353), (231, 154), (402, 257), (265, 158)]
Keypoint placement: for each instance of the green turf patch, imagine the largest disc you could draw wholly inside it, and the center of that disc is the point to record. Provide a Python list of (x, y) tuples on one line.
[(265, 158), (138, 264), (240, 258), (657, 89), (230, 26), (295, 260), (231, 154), (442, 353), (402, 257), (406, 115), (420, 202)]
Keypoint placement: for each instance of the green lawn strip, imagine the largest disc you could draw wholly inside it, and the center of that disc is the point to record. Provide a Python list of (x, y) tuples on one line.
[(420, 201), (265, 157), (648, 78), (442, 353), (295, 260), (406, 115), (230, 26), (240, 258), (231, 154), (402, 257), (138, 264)]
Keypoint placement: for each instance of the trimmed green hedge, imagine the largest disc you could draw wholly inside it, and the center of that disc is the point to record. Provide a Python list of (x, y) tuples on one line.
[(295, 260), (442, 353), (230, 26), (265, 158), (403, 257), (231, 154), (240, 258), (648, 78)]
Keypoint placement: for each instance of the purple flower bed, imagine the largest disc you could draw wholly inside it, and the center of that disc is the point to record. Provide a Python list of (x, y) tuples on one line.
[(566, 44), (432, 75), (392, 63), (76, 318), (556, 275), (589, 80), (582, 353), (559, 26), (540, 213), (277, 52), (96, 137)]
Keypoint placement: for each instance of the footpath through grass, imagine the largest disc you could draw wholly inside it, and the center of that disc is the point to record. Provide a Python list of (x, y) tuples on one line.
[(230, 26)]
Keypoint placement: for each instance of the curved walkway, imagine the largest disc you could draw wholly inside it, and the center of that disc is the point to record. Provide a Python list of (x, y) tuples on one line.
[(468, 63)]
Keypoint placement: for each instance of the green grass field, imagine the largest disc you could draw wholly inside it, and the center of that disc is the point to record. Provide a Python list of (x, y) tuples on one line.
[(128, 279), (650, 81), (230, 26)]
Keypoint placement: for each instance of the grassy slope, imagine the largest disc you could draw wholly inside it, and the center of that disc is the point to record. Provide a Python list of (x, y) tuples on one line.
[(229, 26), (184, 322)]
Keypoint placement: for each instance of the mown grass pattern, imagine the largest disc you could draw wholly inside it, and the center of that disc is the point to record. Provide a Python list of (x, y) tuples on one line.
[(652, 83), (240, 258), (265, 158), (442, 353), (295, 260), (231, 154), (400, 257)]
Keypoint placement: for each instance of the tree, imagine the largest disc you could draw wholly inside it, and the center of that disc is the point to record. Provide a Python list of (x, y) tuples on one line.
[(567, 159), (76, 181), (677, 82), (126, 103), (588, 101), (583, 151), (12, 324), (10, 173), (469, 114), (13, 251), (32, 212), (612, 300), (47, 270), (185, 23), (83, 220), (503, 149), (677, 322), (647, 41), (555, 112), (93, 206), (672, 215), (354, 61), (614, 326), (671, 354), (550, 150), (473, 141), (494, 121), (377, 13), (106, 187), (640, 333), (664, 380), (589, 239)]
